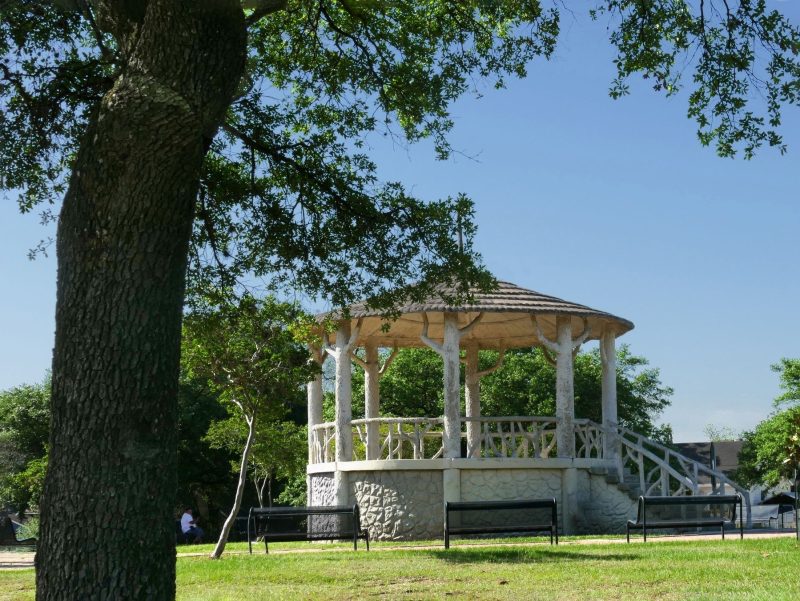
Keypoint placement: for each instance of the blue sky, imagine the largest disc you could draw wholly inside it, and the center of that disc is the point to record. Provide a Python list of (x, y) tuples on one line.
[(613, 204)]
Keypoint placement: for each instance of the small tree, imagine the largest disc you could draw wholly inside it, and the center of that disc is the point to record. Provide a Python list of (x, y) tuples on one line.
[(24, 419), (277, 453), (789, 374), (767, 455), (247, 352), (771, 452)]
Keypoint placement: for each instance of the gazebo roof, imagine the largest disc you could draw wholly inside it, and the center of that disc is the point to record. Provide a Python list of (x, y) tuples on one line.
[(506, 321)]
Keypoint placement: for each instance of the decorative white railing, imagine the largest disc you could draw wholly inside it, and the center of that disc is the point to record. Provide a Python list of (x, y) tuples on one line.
[(323, 443), (401, 437), (660, 470), (589, 438), (421, 438), (513, 437)]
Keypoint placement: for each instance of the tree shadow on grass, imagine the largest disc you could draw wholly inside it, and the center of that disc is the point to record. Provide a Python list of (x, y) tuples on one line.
[(496, 555)]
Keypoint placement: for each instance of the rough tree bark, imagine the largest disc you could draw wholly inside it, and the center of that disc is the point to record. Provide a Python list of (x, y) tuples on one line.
[(107, 529)]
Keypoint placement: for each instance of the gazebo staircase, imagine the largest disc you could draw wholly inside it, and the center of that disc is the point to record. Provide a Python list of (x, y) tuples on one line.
[(647, 467)]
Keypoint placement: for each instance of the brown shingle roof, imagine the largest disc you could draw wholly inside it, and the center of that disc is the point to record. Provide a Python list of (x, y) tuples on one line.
[(506, 321)]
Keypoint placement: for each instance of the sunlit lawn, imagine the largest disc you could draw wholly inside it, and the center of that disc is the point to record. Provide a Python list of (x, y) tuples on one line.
[(752, 569)]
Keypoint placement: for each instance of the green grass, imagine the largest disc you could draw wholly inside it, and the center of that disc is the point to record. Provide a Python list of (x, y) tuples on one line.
[(677, 570), (239, 547)]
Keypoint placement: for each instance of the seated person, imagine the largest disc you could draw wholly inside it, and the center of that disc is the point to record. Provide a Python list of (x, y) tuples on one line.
[(189, 527)]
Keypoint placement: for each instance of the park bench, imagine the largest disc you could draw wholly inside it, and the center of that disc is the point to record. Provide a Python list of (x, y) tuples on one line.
[(686, 512), (8, 537), (280, 524), (500, 517)]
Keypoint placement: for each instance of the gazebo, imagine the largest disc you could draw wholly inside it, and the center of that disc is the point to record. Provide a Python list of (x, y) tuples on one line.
[(400, 470)]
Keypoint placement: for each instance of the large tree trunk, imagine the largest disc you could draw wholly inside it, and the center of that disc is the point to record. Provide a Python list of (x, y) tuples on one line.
[(237, 501), (108, 529)]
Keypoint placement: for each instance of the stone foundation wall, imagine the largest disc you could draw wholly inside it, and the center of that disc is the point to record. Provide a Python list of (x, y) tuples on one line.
[(399, 505), (507, 485), (322, 489), (408, 504)]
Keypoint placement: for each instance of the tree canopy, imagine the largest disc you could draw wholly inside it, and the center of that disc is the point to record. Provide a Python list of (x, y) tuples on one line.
[(24, 420), (288, 191), (771, 451), (249, 355), (524, 385), (788, 371)]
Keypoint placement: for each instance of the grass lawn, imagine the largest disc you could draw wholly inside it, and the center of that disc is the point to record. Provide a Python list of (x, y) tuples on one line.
[(753, 569)]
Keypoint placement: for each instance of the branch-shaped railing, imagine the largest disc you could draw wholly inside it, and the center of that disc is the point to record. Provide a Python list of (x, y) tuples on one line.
[(402, 437), (323, 442), (661, 470), (664, 471), (588, 439), (421, 438), (514, 437)]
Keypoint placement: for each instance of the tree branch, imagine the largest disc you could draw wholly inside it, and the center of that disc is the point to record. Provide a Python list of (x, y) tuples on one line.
[(581, 338), (500, 360), (469, 327), (424, 336), (388, 361), (359, 361), (548, 356), (262, 8), (546, 342)]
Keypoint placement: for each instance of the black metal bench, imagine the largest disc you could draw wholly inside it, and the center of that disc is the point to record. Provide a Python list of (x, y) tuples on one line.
[(500, 517), (686, 512), (8, 537), (280, 524)]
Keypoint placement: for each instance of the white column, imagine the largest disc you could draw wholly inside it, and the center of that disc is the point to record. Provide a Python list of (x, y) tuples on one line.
[(371, 398), (608, 361), (565, 388), (472, 389), (449, 351), (344, 394), (564, 347), (345, 341), (314, 391), (569, 500), (451, 438)]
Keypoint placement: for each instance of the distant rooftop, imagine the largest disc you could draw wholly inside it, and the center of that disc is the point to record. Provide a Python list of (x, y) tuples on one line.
[(727, 452)]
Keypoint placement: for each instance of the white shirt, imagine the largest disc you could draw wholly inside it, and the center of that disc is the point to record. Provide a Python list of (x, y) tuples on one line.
[(186, 520)]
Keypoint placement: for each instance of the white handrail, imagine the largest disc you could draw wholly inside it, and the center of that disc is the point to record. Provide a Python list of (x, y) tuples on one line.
[(663, 456)]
